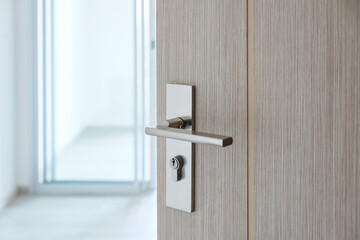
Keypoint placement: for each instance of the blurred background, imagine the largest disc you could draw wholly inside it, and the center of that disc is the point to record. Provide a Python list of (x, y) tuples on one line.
[(77, 89)]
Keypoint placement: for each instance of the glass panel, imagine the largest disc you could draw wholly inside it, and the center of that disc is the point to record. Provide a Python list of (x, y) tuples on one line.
[(90, 85)]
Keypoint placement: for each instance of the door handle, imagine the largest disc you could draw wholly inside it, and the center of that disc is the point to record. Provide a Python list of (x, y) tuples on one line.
[(178, 128), (180, 134)]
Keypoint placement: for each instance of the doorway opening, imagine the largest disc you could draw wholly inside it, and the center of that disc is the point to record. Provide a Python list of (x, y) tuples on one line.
[(96, 92)]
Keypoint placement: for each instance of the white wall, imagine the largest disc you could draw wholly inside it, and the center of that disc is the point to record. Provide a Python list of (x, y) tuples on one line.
[(7, 99), (24, 75)]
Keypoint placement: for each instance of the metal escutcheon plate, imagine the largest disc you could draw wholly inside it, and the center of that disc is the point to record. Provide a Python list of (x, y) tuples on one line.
[(180, 194)]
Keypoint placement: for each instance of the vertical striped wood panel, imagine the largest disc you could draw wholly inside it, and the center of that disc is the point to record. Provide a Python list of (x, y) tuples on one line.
[(307, 119), (203, 43)]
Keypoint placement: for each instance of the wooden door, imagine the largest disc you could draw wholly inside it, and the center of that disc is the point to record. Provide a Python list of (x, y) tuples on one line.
[(283, 79), (307, 119), (203, 43)]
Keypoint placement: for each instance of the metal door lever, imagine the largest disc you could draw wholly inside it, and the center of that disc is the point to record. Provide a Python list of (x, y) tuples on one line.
[(176, 128)]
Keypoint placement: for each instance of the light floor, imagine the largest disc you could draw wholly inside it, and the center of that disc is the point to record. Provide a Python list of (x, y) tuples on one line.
[(80, 217)]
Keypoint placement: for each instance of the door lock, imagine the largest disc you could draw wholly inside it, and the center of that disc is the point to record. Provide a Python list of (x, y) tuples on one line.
[(176, 163)]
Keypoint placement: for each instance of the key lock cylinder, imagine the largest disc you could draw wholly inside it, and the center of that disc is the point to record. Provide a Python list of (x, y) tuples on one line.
[(176, 164)]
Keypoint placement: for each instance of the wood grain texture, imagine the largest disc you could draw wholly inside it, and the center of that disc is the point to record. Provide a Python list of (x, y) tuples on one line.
[(307, 119), (203, 43), (250, 126)]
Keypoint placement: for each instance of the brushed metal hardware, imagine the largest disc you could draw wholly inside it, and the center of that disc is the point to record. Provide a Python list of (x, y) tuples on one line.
[(176, 163), (180, 136), (179, 122), (189, 136)]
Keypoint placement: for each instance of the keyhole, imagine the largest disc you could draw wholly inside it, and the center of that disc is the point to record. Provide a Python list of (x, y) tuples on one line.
[(174, 163)]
